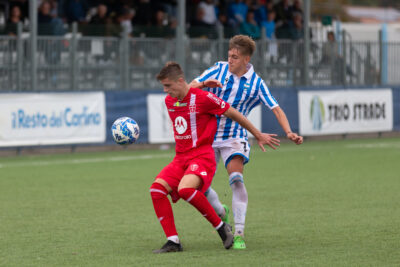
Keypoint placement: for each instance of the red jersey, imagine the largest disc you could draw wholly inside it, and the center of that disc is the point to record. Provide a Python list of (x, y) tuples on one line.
[(193, 118)]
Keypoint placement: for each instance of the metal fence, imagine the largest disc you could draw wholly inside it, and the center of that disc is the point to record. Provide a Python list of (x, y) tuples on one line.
[(76, 62)]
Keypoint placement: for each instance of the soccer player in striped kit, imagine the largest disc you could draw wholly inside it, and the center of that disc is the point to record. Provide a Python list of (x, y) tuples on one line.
[(189, 175), (236, 82)]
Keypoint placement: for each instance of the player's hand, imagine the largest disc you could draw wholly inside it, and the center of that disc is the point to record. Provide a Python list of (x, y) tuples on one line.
[(268, 139), (297, 139), (212, 83)]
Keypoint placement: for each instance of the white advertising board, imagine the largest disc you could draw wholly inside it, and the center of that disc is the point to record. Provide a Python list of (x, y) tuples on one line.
[(160, 126), (52, 118), (345, 111)]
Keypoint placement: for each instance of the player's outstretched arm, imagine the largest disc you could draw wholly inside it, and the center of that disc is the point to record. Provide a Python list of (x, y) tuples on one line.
[(262, 138), (212, 83), (283, 121)]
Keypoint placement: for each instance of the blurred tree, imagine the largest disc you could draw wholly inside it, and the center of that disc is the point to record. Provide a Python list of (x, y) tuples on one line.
[(333, 8)]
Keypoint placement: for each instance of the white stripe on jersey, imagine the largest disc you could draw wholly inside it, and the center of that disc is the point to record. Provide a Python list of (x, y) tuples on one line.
[(192, 114), (243, 93)]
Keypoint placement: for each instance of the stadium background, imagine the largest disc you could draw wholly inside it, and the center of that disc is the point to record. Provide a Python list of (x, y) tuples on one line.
[(329, 202)]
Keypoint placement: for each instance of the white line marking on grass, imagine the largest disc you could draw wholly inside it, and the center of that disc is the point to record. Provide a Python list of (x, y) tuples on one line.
[(81, 161)]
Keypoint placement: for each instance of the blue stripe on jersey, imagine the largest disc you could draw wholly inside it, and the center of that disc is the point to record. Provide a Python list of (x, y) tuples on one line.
[(219, 95), (226, 95), (218, 89), (240, 109), (274, 99), (218, 121), (219, 72), (264, 92), (254, 105), (235, 103), (239, 93), (222, 79), (254, 99), (208, 75), (228, 89), (251, 107)]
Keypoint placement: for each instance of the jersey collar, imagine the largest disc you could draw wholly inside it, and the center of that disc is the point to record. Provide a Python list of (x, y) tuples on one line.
[(247, 75)]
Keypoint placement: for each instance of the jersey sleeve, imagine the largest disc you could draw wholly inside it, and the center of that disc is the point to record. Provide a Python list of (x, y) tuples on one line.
[(265, 96), (210, 73), (214, 104)]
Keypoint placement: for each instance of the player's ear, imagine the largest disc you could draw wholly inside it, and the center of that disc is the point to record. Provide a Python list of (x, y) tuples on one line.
[(181, 80)]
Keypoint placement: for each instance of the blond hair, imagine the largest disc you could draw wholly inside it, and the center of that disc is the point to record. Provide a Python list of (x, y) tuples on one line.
[(243, 43)]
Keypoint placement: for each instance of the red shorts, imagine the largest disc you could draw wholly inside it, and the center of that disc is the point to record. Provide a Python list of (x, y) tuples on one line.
[(199, 163)]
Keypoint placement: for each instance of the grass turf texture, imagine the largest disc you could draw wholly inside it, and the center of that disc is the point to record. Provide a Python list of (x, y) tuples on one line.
[(326, 203)]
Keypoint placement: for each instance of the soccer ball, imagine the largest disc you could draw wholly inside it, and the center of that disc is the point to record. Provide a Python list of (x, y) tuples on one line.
[(125, 131)]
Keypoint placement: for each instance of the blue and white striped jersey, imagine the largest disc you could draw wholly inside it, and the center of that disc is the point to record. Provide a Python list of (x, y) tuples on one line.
[(243, 93)]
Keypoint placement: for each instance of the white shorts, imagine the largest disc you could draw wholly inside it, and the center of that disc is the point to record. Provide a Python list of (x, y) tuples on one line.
[(226, 149)]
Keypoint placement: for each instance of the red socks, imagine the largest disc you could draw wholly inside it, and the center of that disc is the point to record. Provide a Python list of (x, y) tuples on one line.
[(200, 202), (163, 208)]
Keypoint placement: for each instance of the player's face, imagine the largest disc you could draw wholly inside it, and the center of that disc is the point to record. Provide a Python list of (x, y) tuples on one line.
[(237, 62), (173, 88)]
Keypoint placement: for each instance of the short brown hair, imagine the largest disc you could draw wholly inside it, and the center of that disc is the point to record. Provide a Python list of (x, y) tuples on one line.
[(243, 43), (171, 70)]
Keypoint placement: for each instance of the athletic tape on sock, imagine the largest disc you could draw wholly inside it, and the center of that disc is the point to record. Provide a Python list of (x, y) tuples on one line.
[(235, 177)]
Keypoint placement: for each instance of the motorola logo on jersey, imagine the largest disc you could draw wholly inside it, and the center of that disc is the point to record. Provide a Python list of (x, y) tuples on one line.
[(180, 125)]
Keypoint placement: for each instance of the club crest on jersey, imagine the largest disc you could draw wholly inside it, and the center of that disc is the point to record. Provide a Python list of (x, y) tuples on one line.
[(178, 104), (194, 167), (246, 86), (180, 125)]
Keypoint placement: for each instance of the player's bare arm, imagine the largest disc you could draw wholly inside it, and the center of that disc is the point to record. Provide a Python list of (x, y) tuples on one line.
[(262, 138), (283, 121), (212, 83)]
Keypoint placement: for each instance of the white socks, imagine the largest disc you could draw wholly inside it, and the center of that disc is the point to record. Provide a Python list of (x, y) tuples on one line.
[(212, 197), (239, 201), (174, 238)]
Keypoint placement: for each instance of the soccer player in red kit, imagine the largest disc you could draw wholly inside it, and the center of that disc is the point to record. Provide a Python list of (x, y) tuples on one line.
[(188, 176)]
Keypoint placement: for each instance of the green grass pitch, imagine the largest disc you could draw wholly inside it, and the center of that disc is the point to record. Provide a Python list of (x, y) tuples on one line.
[(324, 203)]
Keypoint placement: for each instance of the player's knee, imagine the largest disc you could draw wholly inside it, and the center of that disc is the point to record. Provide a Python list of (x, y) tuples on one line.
[(207, 192), (187, 193), (157, 191)]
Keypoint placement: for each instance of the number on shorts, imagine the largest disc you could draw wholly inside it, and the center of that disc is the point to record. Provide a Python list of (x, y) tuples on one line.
[(244, 146)]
